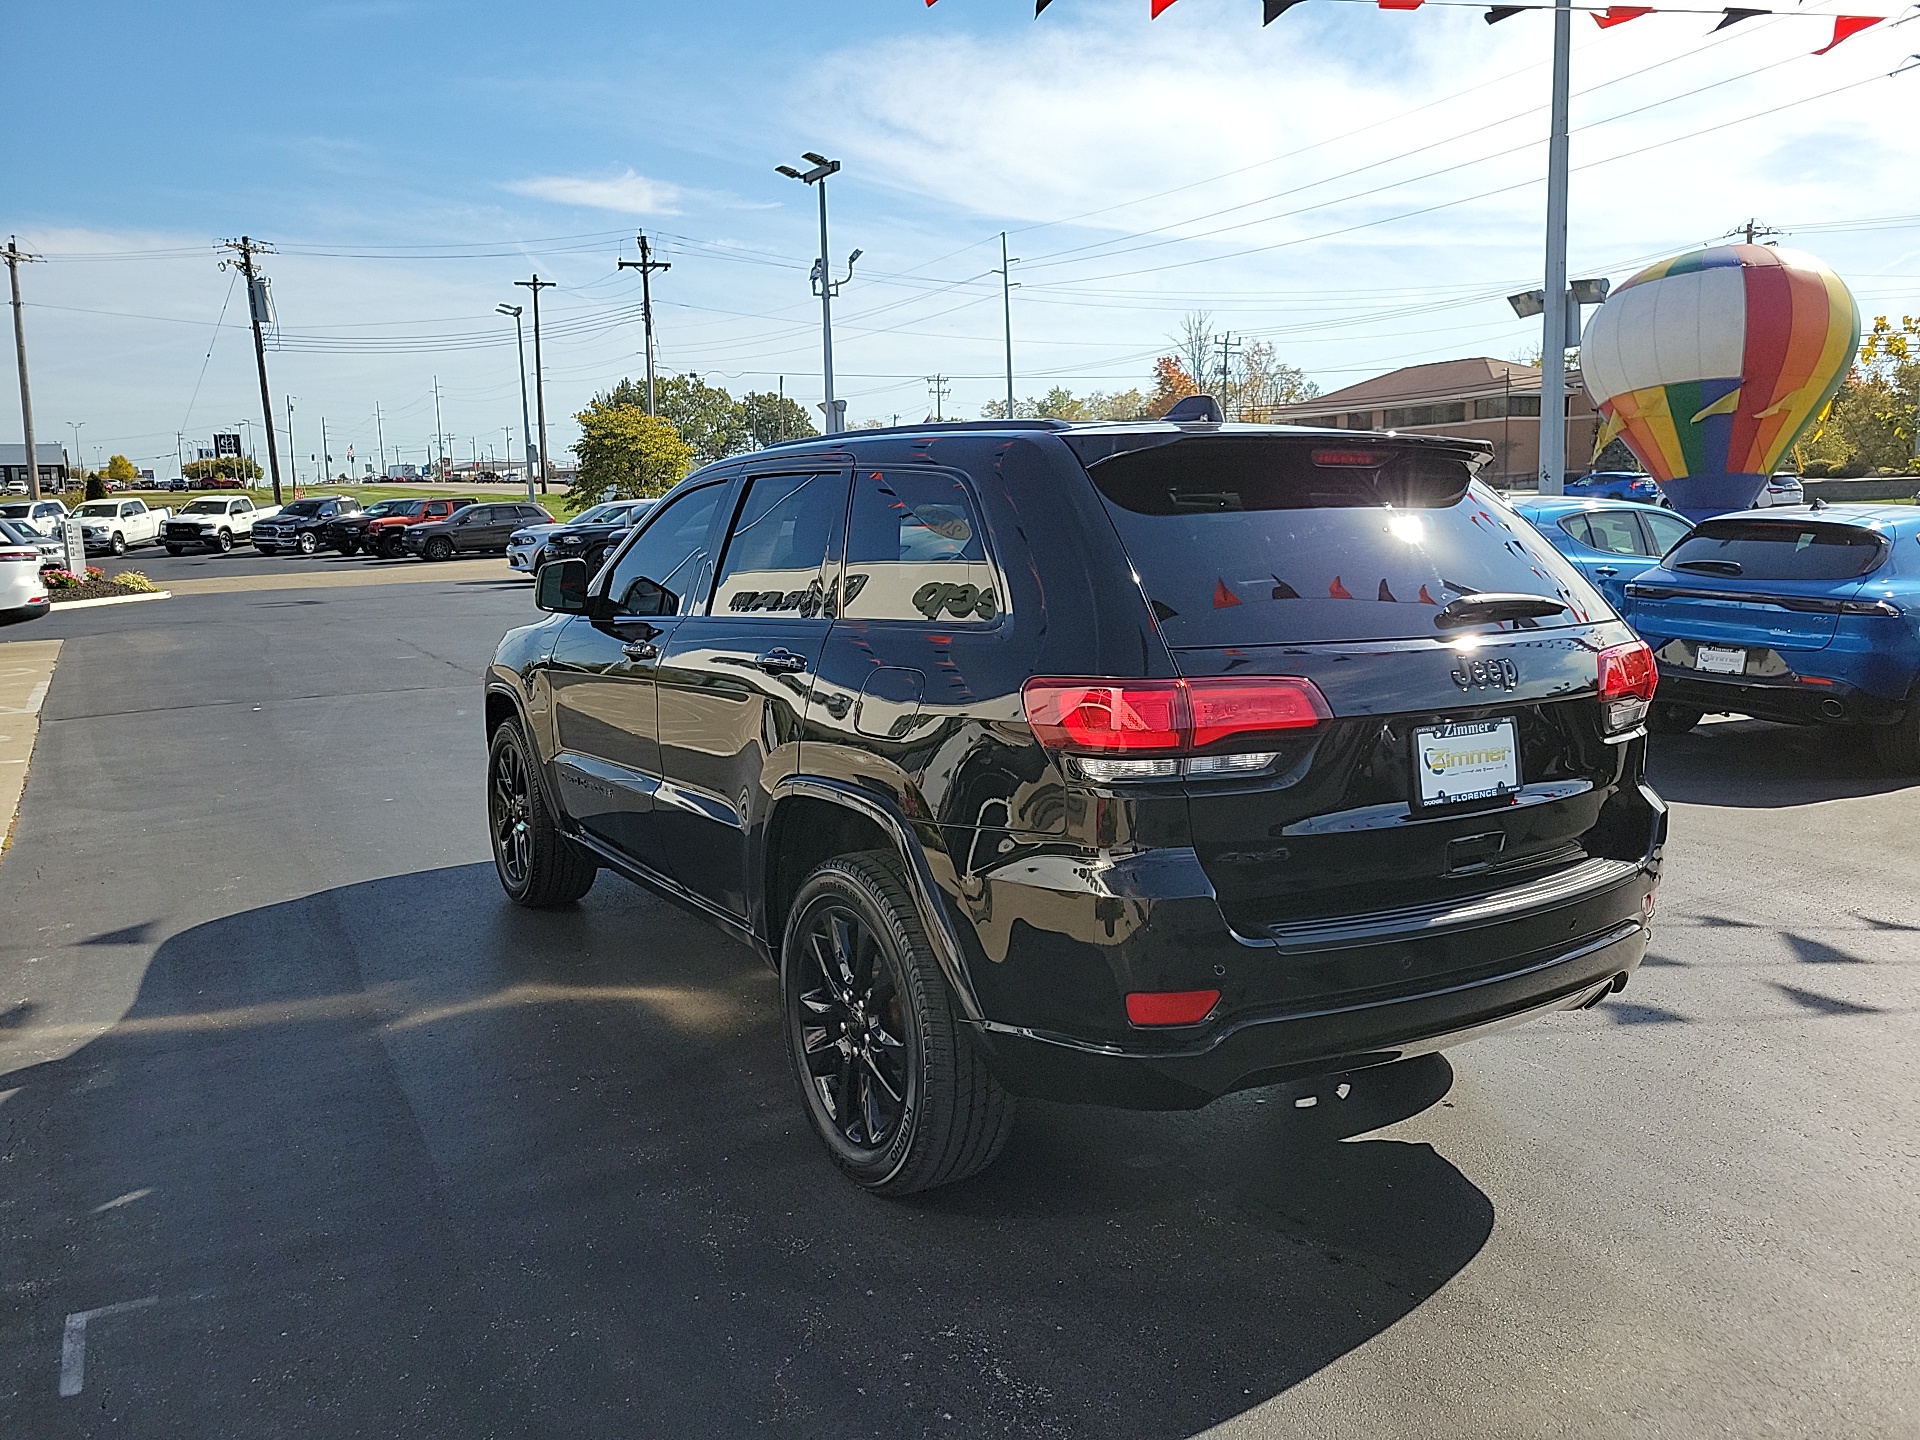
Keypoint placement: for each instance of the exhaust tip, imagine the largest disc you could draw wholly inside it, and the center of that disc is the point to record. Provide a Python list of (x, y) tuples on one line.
[(1833, 709)]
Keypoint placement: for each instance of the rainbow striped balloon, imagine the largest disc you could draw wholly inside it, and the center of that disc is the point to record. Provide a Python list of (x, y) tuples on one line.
[(1711, 364)]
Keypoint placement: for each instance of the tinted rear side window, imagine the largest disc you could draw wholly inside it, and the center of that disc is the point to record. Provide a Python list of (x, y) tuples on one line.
[(1243, 541), (1779, 550)]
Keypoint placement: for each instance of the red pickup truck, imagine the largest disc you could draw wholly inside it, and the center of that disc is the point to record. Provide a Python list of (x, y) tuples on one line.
[(383, 535)]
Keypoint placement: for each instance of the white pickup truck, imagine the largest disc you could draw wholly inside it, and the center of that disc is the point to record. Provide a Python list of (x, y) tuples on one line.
[(214, 522), (116, 525)]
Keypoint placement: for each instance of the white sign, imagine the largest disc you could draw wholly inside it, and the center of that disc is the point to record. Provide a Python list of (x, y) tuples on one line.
[(74, 538), (1474, 760), (1720, 660)]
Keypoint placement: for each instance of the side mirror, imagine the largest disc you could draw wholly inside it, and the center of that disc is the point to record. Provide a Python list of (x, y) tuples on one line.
[(561, 587)]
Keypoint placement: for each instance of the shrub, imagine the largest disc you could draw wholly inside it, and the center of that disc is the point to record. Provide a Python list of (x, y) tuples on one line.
[(132, 580)]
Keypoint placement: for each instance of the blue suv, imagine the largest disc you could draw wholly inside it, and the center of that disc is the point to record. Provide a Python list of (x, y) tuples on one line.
[(1611, 541), (1808, 615), (1617, 485)]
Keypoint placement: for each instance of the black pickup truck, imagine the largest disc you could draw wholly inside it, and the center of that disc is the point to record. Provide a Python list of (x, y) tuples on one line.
[(298, 526)]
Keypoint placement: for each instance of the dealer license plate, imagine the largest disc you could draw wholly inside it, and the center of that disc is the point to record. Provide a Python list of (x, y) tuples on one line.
[(1720, 660), (1470, 760)]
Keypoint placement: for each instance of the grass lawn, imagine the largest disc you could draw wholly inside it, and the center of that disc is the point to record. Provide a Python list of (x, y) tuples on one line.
[(558, 503)]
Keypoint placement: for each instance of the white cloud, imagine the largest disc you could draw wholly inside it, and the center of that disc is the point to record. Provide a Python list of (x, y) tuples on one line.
[(626, 194)]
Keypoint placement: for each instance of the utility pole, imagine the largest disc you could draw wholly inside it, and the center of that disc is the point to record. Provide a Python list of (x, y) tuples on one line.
[(526, 425), (326, 458), (180, 451), (1229, 347), (539, 375), (1755, 231), (293, 454), (1553, 339), (259, 307), (439, 438), (824, 285), (646, 265), (15, 258), (380, 438), (938, 387), (1006, 314)]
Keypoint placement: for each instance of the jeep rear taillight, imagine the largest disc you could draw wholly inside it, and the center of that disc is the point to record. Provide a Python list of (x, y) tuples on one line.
[(1161, 729), (1628, 679)]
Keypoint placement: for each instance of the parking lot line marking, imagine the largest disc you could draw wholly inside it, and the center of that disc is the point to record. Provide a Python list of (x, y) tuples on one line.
[(126, 1199), (73, 1340)]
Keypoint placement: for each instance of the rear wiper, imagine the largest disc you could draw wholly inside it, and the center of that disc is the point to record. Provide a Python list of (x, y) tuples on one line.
[(1711, 567), (1488, 605)]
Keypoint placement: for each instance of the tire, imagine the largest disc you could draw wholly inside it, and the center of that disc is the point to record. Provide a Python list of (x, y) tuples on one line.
[(912, 1105), (1666, 718), (439, 547), (1897, 746), (260, 549), (347, 547), (223, 542), (176, 550), (538, 866), (307, 543), (117, 545)]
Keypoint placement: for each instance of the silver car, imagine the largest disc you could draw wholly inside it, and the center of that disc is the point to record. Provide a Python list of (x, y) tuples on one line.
[(23, 594), (1783, 488)]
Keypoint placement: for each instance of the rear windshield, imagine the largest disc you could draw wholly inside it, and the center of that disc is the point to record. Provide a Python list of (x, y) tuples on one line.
[(1251, 542), (1778, 550)]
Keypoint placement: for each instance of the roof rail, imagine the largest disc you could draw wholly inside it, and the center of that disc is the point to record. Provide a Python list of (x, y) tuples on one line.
[(938, 427)]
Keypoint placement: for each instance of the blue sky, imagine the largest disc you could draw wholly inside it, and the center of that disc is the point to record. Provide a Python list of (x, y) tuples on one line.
[(1360, 188)]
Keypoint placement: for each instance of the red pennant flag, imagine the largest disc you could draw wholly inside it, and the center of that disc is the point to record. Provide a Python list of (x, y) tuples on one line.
[(1426, 599), (1620, 14), (1337, 591), (1846, 26), (1159, 8), (1401, 4), (1222, 596)]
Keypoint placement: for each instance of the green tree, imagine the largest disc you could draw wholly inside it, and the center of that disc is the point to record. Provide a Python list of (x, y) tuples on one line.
[(230, 467), (96, 487), (703, 415), (626, 454), (771, 417), (119, 467), (1871, 425)]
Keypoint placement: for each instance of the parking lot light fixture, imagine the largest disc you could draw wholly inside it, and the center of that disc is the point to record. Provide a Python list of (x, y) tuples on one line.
[(526, 426), (824, 285)]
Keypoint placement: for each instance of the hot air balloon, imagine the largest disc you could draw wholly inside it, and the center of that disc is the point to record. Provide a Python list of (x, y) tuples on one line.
[(1711, 364)]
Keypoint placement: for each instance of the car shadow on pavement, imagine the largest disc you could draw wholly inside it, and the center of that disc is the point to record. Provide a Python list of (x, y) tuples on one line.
[(1755, 764), (400, 1158)]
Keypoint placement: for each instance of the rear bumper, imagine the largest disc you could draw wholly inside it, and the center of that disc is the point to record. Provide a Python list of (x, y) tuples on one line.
[(1791, 702), (1270, 1049)]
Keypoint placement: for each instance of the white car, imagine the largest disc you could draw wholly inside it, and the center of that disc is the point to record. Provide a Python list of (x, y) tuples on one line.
[(43, 515), (214, 522), (23, 594), (1783, 488), (116, 526)]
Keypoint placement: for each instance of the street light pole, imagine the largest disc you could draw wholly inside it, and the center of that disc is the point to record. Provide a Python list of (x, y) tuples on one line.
[(825, 286), (1006, 312), (75, 425), (526, 429), (539, 374), (1553, 341)]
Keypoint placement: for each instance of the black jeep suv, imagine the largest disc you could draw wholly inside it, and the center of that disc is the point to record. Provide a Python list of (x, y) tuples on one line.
[(1124, 763)]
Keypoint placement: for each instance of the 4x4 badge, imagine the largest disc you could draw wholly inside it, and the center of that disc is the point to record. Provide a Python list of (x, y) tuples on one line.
[(1482, 674)]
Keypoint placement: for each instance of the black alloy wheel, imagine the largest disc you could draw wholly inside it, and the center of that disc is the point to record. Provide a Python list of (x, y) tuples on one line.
[(307, 543), (893, 1085), (538, 866), (438, 547)]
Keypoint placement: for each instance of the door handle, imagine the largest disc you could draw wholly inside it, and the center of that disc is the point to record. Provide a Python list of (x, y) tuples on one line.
[(640, 650), (780, 662), (1606, 569)]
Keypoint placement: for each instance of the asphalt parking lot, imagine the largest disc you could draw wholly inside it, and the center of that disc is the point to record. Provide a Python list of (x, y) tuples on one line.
[(313, 1133)]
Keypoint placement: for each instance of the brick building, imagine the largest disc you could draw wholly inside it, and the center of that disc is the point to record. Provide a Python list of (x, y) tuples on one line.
[(1481, 398)]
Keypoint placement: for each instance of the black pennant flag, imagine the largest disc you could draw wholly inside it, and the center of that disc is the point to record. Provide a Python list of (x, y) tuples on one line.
[(1276, 8), (1038, 6), (1503, 12), (1734, 17)]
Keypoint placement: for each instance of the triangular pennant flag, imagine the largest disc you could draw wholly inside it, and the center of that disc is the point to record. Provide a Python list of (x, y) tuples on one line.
[(1734, 17), (1845, 26), (1039, 6), (1222, 596), (1159, 8), (1276, 8), (1503, 12), (1337, 591), (1620, 14), (1386, 594), (1401, 4), (1426, 599), (1725, 405)]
